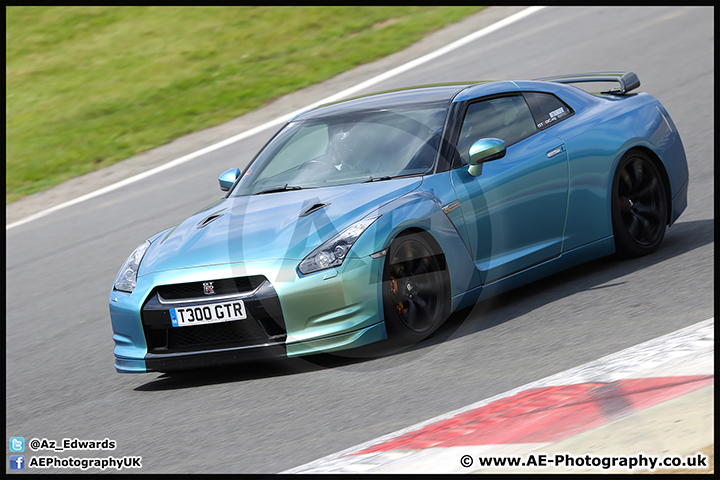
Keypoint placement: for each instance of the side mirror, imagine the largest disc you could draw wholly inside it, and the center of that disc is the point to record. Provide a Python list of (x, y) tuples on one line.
[(227, 178), (485, 150)]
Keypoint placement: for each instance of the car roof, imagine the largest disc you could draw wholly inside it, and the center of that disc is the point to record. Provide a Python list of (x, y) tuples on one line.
[(438, 94), (420, 95)]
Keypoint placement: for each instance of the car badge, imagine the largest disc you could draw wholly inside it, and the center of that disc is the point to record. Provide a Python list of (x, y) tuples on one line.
[(208, 288)]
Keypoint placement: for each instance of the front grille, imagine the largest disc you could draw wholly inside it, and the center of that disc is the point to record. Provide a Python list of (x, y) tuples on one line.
[(264, 323), (217, 334), (224, 286)]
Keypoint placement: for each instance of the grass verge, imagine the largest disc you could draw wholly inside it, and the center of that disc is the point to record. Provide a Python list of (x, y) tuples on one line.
[(87, 87)]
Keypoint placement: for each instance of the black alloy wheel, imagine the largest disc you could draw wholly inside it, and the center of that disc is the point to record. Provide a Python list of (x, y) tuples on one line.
[(416, 290), (639, 208)]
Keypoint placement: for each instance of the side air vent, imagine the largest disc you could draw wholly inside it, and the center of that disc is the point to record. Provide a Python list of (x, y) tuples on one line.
[(314, 209)]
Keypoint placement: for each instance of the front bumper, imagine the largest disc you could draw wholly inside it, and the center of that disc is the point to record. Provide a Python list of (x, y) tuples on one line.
[(289, 315)]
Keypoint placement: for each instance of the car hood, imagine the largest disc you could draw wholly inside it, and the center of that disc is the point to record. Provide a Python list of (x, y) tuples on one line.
[(283, 225)]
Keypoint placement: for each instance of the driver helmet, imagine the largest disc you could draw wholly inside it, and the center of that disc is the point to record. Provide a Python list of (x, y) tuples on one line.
[(344, 144)]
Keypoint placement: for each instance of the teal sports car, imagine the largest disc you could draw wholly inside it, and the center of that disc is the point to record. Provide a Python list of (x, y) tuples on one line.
[(377, 217)]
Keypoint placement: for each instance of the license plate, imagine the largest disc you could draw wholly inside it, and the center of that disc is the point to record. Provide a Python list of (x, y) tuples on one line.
[(205, 314)]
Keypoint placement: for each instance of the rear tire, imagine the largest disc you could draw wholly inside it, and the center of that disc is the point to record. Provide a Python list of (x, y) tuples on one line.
[(416, 289), (639, 206)]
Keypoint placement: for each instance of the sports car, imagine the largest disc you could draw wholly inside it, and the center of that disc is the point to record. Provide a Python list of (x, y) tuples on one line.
[(376, 217)]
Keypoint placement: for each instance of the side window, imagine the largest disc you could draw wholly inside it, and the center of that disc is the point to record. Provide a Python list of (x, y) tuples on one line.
[(547, 109), (506, 118)]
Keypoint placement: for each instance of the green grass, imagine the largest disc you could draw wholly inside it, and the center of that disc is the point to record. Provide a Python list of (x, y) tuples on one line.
[(91, 86)]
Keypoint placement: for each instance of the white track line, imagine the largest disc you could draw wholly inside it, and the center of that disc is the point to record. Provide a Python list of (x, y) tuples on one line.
[(280, 120)]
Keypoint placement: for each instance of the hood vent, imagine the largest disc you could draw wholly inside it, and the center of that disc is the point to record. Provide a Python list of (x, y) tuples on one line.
[(208, 220), (314, 209)]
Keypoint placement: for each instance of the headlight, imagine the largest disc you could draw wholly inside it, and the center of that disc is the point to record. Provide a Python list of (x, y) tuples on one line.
[(127, 277), (332, 253)]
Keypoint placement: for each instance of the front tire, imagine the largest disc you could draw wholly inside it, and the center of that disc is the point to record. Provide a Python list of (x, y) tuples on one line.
[(639, 206), (416, 289)]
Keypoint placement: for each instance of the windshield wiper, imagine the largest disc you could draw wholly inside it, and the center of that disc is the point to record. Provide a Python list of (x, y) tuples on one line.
[(279, 189), (377, 179)]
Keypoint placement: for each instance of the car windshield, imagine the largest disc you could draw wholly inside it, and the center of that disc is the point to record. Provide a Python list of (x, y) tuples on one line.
[(350, 148)]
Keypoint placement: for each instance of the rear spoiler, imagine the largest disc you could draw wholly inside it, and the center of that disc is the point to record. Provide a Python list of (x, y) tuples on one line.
[(627, 80)]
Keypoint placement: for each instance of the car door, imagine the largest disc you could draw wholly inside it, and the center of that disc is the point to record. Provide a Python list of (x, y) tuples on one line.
[(514, 210)]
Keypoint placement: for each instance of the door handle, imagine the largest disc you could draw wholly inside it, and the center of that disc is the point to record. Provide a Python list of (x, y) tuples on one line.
[(552, 152)]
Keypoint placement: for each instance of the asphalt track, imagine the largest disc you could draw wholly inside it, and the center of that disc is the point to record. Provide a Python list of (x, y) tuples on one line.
[(271, 417)]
